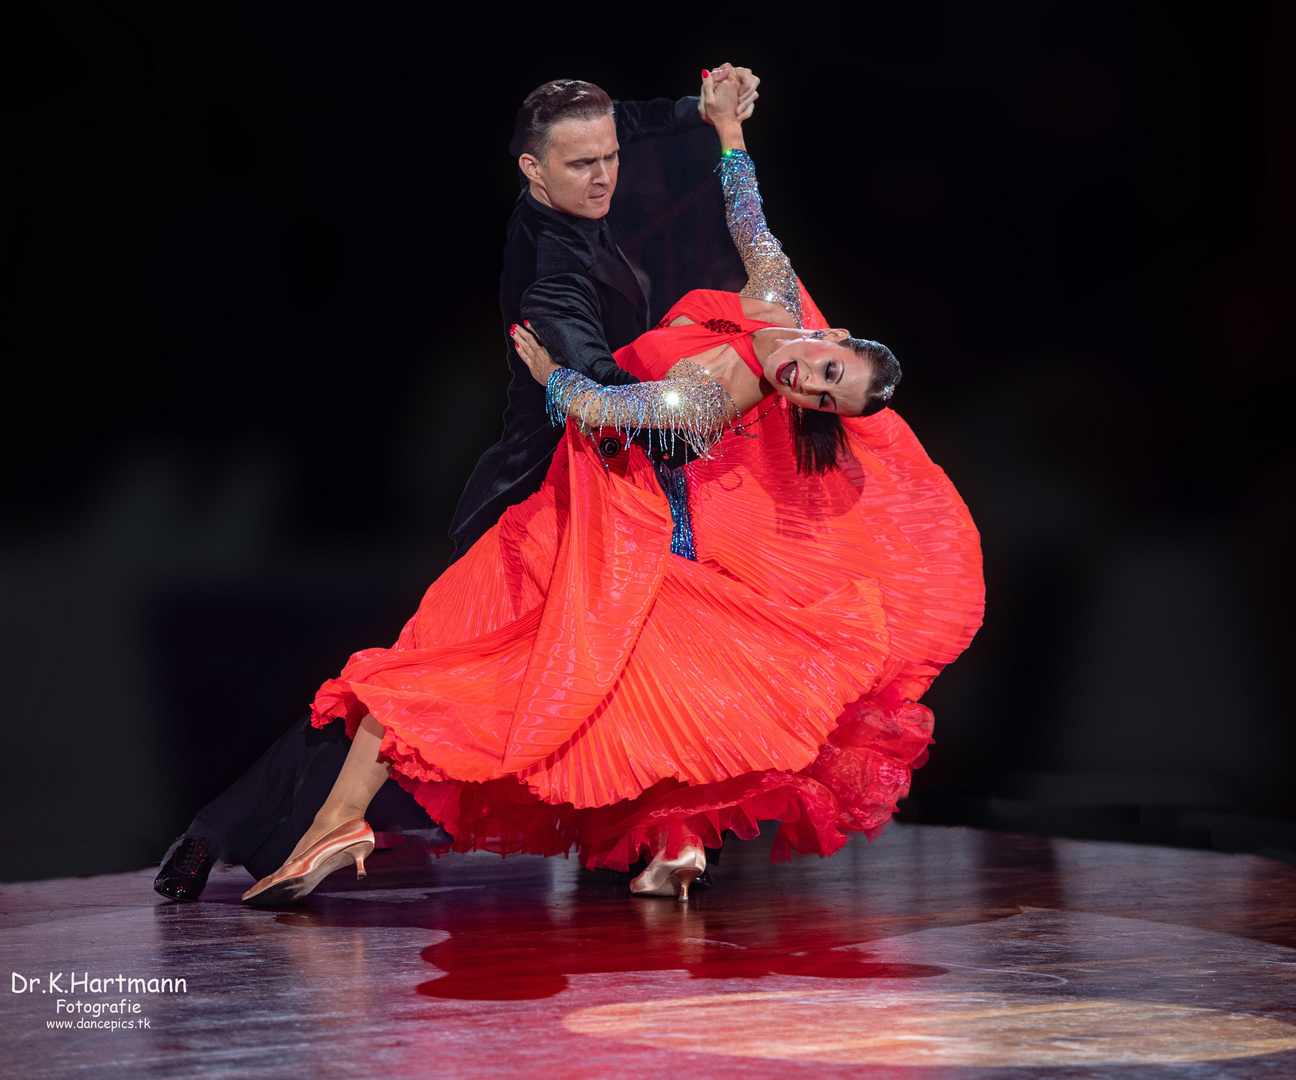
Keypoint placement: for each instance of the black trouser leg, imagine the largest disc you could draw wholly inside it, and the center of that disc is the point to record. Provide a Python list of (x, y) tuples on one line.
[(259, 819)]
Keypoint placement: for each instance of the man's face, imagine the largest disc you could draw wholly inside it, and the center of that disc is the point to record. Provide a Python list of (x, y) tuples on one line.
[(579, 171)]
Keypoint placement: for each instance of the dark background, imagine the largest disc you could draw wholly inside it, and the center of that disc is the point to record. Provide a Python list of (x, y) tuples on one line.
[(248, 272)]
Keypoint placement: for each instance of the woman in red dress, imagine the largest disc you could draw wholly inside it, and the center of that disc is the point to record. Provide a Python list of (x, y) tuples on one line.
[(638, 658)]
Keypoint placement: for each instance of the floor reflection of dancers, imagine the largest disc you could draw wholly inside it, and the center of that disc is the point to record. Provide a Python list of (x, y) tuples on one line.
[(637, 658)]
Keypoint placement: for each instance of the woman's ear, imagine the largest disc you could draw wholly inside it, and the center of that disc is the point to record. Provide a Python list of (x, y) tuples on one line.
[(836, 334)]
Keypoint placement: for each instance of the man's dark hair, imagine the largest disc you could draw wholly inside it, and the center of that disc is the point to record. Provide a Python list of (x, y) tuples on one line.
[(819, 436), (550, 104)]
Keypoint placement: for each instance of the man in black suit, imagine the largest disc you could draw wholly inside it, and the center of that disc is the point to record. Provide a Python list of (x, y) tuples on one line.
[(564, 275)]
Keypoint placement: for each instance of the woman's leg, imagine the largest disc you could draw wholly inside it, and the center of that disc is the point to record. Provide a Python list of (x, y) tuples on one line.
[(363, 773)]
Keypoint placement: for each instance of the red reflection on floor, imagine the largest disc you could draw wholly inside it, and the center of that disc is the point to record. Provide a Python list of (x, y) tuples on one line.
[(489, 958)]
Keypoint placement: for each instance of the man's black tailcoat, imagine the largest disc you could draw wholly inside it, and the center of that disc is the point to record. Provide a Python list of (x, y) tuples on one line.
[(566, 276)]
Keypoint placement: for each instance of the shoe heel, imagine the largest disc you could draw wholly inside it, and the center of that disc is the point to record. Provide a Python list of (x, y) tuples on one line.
[(359, 855), (684, 876)]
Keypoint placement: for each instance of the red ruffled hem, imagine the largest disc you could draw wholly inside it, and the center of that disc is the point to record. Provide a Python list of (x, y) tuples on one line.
[(852, 786)]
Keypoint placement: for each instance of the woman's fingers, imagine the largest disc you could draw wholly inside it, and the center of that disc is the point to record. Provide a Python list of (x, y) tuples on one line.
[(527, 346), (727, 91), (523, 341), (709, 105), (533, 354)]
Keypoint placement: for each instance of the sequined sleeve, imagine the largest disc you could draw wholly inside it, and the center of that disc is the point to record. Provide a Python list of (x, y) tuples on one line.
[(769, 273), (688, 405)]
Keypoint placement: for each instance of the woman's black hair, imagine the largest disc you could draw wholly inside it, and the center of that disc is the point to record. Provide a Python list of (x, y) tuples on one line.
[(820, 436)]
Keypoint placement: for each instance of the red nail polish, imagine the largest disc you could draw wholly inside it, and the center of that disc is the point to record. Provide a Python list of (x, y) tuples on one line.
[(706, 74)]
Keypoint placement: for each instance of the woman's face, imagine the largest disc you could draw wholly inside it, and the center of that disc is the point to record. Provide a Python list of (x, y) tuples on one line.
[(819, 373)]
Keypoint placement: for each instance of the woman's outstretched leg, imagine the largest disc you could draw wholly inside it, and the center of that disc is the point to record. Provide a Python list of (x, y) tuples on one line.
[(339, 835), (363, 773)]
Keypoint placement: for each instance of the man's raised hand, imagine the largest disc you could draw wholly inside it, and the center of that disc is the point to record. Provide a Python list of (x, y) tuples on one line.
[(747, 93), (719, 102), (746, 86)]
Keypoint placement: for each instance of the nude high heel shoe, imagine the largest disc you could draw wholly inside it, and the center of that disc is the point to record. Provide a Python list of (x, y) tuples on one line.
[(671, 877), (349, 842)]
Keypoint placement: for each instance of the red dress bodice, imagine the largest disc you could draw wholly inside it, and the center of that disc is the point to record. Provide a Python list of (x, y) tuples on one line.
[(717, 317)]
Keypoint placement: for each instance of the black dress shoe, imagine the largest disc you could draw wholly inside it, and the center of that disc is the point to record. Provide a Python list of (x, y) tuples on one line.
[(184, 872)]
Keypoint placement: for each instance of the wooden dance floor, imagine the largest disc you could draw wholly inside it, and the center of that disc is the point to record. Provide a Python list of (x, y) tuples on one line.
[(932, 953)]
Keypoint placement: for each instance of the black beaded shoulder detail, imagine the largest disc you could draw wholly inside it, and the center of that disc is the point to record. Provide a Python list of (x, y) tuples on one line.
[(665, 321), (722, 326)]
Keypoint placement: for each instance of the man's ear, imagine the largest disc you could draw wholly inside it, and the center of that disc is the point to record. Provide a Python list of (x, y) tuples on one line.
[(530, 166)]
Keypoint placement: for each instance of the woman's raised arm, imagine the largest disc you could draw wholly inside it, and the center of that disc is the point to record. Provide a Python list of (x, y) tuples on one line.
[(769, 273)]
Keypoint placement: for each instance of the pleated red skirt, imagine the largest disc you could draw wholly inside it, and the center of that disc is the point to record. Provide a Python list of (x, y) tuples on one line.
[(570, 681)]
